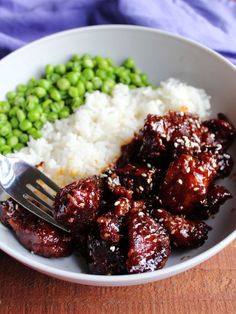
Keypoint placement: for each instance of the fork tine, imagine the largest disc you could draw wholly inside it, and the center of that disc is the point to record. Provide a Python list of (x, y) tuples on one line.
[(47, 181), (43, 191), (40, 213), (37, 199)]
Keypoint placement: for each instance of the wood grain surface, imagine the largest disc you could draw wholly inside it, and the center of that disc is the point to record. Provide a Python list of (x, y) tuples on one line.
[(207, 288)]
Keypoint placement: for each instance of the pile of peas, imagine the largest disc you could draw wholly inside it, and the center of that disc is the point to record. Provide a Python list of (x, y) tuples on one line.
[(59, 92)]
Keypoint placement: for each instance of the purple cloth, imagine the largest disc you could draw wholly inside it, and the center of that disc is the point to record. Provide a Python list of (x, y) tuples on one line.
[(211, 22)]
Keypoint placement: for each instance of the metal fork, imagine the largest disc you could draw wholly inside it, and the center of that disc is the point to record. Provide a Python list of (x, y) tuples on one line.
[(22, 181)]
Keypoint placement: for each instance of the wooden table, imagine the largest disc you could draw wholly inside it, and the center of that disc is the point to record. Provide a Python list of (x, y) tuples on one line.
[(208, 288)]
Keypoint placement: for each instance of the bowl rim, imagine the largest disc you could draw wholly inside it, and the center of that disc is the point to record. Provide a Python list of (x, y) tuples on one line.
[(128, 278)]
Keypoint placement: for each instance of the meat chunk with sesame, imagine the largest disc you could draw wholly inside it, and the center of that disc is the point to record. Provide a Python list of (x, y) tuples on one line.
[(216, 196), (186, 182), (136, 181), (222, 129), (169, 136), (183, 232), (76, 205), (105, 258), (109, 226), (35, 234), (149, 244)]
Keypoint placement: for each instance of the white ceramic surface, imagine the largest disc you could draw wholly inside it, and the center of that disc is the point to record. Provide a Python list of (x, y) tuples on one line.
[(161, 55)]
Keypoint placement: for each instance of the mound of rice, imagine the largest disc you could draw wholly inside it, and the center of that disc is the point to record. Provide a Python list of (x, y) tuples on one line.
[(90, 139)]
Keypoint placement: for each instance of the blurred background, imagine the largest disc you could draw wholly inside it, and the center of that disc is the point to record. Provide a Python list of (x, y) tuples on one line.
[(212, 23)]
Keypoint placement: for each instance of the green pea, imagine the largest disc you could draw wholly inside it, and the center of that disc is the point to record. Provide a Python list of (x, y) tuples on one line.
[(97, 82), (46, 105), (81, 88), (73, 92), (34, 115), (89, 86), (21, 88), (12, 111), (56, 106), (16, 132), (6, 149), (43, 118), (34, 133), (76, 66), (11, 95), (77, 102), (18, 147), (135, 70), (54, 77), (2, 141), (101, 73), (64, 113), (38, 125), (88, 63), (29, 92), (136, 79), (3, 117), (63, 83), (103, 64), (55, 95), (110, 62), (52, 116), (32, 99), (129, 63), (73, 77), (144, 78), (69, 65), (40, 92), (76, 57), (25, 125), (19, 101), (20, 115), (88, 74), (110, 71), (5, 129), (107, 86), (14, 122), (44, 84), (60, 68), (4, 106), (24, 138), (32, 82), (12, 140), (49, 69), (125, 80)]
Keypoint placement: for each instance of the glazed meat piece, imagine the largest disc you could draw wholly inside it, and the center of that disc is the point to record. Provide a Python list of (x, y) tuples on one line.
[(112, 181), (186, 182), (139, 180), (183, 232), (33, 233), (169, 136), (129, 152), (104, 258), (223, 130), (216, 196), (123, 206), (149, 244), (109, 226), (226, 163), (76, 205)]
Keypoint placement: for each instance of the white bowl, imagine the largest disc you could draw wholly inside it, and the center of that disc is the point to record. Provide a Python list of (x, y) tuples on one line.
[(160, 55)]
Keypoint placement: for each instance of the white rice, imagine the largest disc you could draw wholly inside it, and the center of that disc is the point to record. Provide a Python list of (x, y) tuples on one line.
[(90, 139)]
